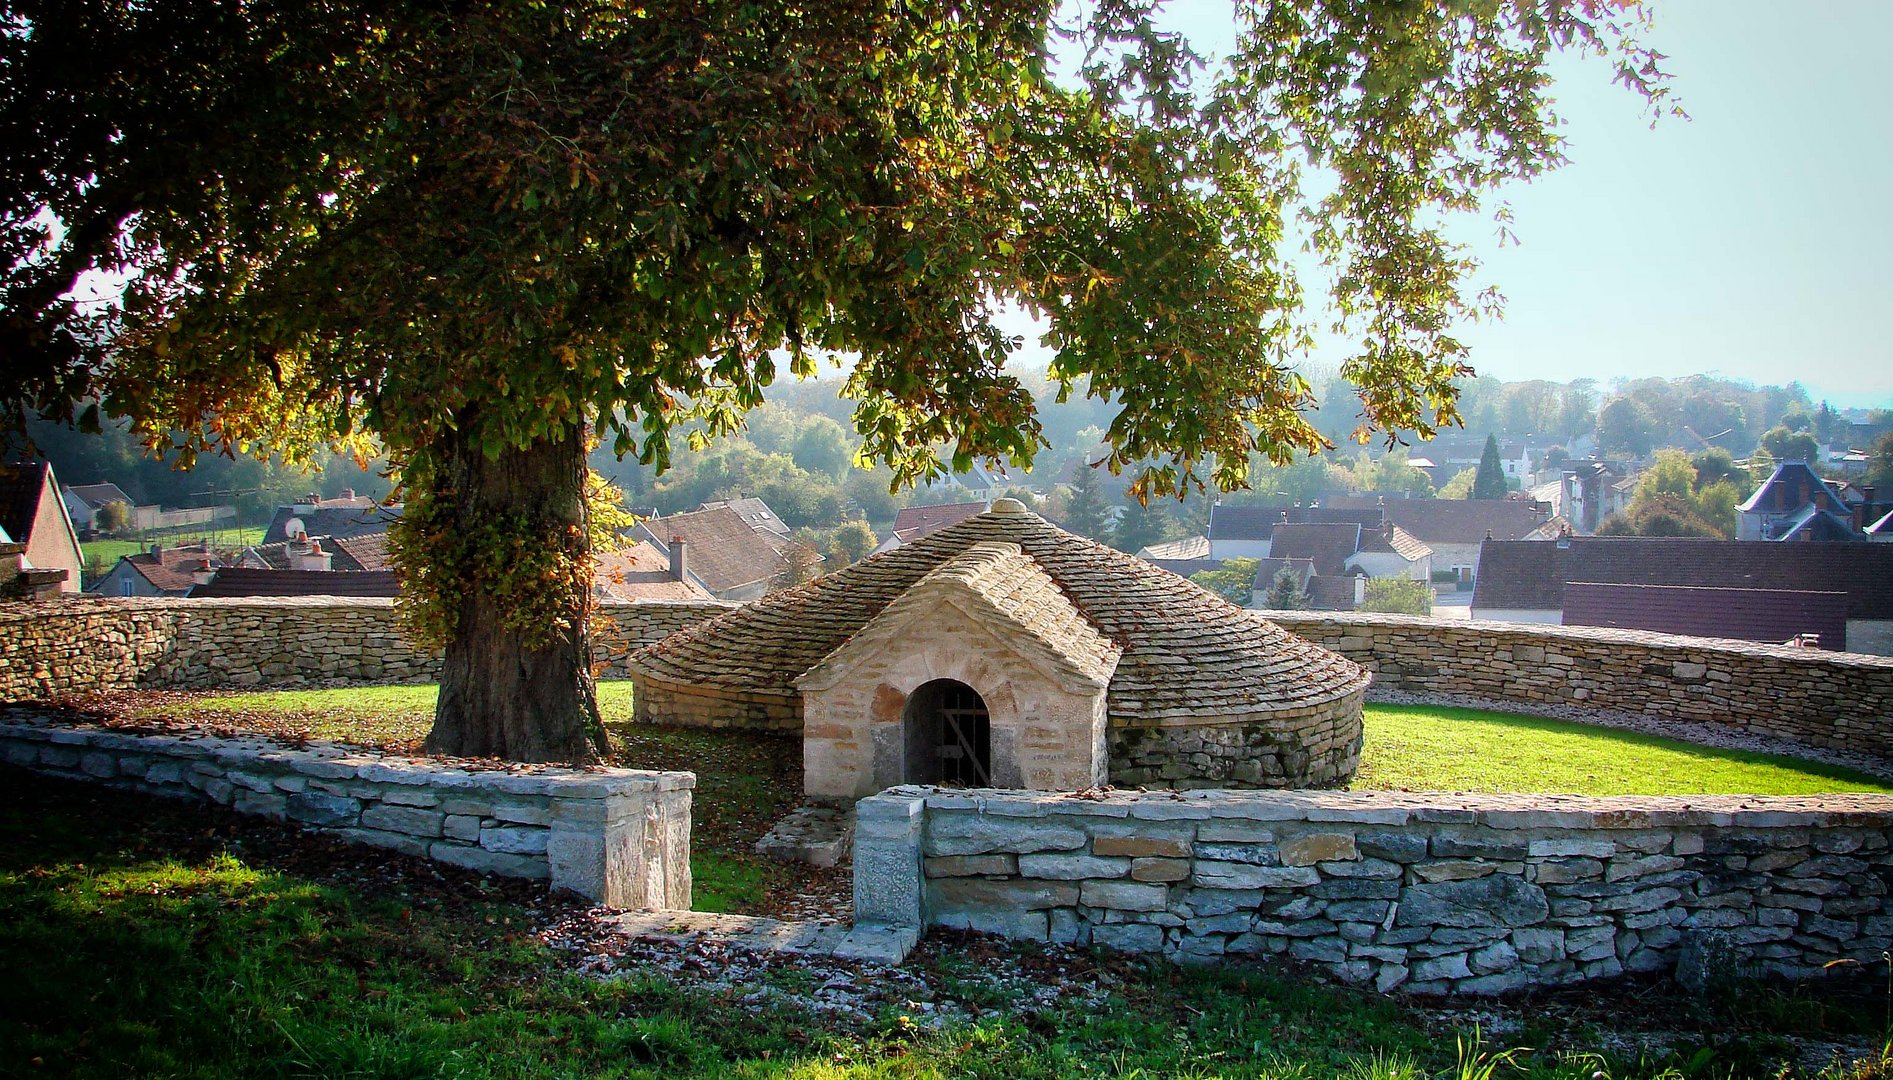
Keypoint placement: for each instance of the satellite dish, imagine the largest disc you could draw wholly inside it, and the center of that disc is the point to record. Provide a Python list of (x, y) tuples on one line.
[(294, 528)]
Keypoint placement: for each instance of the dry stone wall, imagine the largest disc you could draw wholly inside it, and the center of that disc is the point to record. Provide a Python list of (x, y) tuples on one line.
[(55, 648), (1838, 700), (1313, 747), (617, 836), (1430, 893)]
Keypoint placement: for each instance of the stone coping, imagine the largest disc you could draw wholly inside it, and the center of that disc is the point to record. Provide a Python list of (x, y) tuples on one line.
[(88, 604), (1497, 811), (1550, 632), (341, 761)]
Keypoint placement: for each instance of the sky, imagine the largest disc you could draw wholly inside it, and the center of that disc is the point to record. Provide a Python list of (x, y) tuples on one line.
[(1752, 240)]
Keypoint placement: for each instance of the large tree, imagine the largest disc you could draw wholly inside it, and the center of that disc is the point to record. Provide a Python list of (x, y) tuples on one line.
[(490, 234)]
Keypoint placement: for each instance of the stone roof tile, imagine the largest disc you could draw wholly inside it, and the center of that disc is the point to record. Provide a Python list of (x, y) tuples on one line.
[(1185, 651)]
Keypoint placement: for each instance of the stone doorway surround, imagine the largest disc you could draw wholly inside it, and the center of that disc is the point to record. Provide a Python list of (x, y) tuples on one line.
[(991, 619)]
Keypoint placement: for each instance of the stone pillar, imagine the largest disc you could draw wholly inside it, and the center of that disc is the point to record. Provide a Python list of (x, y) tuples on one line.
[(626, 846), (888, 888)]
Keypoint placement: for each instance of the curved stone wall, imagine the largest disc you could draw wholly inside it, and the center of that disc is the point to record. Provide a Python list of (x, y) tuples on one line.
[(1316, 747), (1838, 700), (56, 648)]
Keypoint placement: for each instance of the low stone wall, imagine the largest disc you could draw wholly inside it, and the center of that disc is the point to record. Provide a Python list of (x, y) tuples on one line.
[(54, 648), (1431, 894), (1837, 700), (617, 836), (662, 702)]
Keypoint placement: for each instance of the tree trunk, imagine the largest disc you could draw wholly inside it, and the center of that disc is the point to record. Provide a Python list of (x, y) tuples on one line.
[(499, 697)]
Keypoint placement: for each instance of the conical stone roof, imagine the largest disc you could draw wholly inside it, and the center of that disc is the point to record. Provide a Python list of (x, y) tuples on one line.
[(1186, 653)]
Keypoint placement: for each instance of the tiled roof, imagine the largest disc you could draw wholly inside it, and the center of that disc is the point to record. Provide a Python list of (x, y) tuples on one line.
[(1531, 574), (1330, 546), (754, 512), (1792, 484), (1394, 539), (333, 521), (247, 581), (1186, 567), (1186, 652), (97, 495), (914, 522), (721, 549), (1190, 547), (20, 486), (1771, 615), (1454, 521), (1258, 522), (994, 583), (341, 557), (169, 571), (641, 572), (369, 551)]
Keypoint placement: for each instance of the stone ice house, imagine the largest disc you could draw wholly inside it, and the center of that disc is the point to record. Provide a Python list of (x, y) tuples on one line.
[(1005, 652)]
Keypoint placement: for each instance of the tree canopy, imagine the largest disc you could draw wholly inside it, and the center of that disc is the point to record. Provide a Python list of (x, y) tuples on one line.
[(486, 234)]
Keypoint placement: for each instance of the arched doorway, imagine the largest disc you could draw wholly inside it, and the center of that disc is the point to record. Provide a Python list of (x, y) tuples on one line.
[(948, 735)]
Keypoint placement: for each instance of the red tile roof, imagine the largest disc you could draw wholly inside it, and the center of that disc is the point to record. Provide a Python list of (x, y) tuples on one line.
[(721, 549), (169, 571), (641, 572)]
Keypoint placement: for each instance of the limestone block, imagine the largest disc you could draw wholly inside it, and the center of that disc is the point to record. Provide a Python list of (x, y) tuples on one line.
[(1073, 867), (1229, 875), (971, 865), (413, 821), (888, 882), (1129, 937), (1026, 894), (1153, 869), (1499, 900), (1136, 846), (516, 840), (1318, 847), (967, 834), (1123, 895), (322, 810), (1453, 869)]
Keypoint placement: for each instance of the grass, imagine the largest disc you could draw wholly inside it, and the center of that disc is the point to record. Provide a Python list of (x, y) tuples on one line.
[(109, 551), (142, 937), (1414, 748), (745, 781)]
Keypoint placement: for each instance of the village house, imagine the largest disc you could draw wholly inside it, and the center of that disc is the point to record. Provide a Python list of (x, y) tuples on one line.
[(1448, 455), (755, 513), (84, 501), (34, 517), (1556, 581), (727, 556), (347, 515), (639, 571), (914, 522), (1245, 532), (1455, 528), (164, 570), (1594, 490), (1796, 504)]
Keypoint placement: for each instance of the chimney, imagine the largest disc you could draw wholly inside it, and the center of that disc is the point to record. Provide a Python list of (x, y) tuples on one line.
[(679, 565), (203, 571), (348, 493), (157, 551), (309, 557)]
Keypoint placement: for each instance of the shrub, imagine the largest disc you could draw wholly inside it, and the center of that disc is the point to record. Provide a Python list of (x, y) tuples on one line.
[(1398, 596)]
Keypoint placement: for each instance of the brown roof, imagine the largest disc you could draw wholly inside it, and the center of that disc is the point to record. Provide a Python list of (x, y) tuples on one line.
[(1395, 539), (1773, 615), (334, 518), (1328, 545), (721, 549), (369, 551), (248, 581), (1186, 651), (169, 570), (1454, 521), (914, 522), (1531, 574), (641, 572)]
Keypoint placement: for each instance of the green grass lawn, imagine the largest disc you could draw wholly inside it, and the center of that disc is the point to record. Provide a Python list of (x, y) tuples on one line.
[(108, 552), (1412, 748), (142, 937), (1426, 748)]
